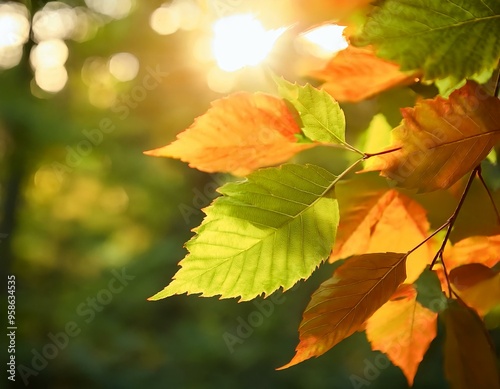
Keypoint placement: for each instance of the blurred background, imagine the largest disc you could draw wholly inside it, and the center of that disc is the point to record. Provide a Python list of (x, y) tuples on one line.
[(91, 227)]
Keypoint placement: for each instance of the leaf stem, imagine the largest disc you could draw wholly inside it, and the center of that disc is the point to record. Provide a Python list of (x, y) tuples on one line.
[(480, 175), (354, 149), (369, 155), (451, 221), (343, 174)]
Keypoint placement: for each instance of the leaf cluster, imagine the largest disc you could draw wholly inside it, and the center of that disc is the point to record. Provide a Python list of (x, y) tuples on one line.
[(278, 224)]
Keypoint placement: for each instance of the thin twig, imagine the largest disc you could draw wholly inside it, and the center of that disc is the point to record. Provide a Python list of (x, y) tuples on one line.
[(453, 217)]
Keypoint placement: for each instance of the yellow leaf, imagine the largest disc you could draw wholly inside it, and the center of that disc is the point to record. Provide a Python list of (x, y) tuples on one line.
[(403, 329), (238, 134), (343, 303), (440, 140)]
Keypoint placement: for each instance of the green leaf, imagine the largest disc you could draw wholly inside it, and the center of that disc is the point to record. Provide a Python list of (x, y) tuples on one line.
[(322, 118), (457, 38), (266, 232), (429, 292), (446, 86)]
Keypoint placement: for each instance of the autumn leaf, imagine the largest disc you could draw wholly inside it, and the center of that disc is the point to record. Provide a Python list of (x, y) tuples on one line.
[(478, 286), (266, 232), (238, 134), (466, 276), (443, 38), (403, 330), (469, 358), (475, 249), (355, 74), (440, 140), (372, 222), (343, 303)]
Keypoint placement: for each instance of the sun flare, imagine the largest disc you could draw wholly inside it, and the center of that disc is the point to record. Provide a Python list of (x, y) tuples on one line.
[(242, 40)]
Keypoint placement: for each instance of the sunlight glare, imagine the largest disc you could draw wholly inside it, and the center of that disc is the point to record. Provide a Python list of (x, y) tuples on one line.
[(241, 40), (324, 41)]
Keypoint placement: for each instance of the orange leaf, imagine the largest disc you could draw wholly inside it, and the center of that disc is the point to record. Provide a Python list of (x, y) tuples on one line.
[(469, 358), (377, 222), (343, 303), (475, 249), (403, 330), (440, 140), (478, 286), (355, 74), (238, 134)]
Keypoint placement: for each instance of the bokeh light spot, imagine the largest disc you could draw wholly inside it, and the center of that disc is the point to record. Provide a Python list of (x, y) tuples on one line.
[(116, 9), (165, 20), (54, 21), (220, 81), (124, 66), (51, 79), (14, 32), (48, 54)]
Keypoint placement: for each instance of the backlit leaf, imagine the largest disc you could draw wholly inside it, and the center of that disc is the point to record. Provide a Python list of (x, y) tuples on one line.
[(322, 118), (372, 222), (478, 286), (343, 303), (440, 140), (238, 134), (377, 136), (266, 232), (456, 38), (469, 358), (403, 330), (475, 249), (355, 74), (465, 276)]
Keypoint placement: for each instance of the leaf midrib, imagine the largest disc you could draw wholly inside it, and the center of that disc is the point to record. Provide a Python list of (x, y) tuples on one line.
[(273, 229), (355, 307)]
